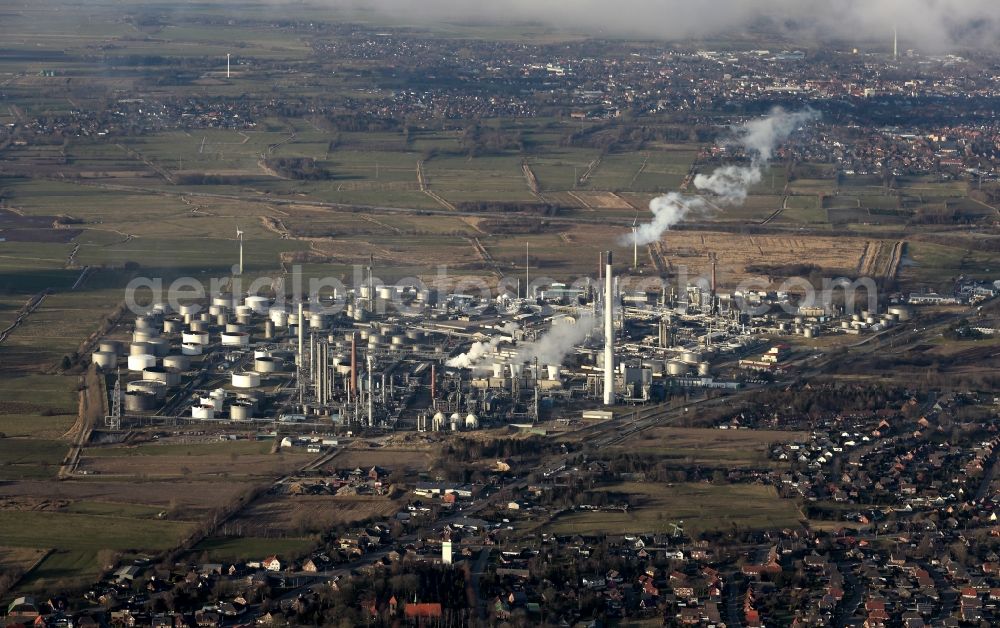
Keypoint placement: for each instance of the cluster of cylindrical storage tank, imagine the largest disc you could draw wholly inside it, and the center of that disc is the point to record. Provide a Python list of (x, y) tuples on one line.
[(241, 408)]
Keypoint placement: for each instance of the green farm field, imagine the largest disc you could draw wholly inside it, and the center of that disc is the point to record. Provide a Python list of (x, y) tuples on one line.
[(701, 507)]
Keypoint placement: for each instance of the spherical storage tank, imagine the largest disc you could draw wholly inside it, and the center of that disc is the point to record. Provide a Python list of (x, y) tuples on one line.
[(438, 421), (139, 363), (105, 359), (471, 422)]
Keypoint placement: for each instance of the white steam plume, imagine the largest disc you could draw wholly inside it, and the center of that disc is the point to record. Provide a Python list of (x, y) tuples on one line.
[(480, 350), (555, 344), (728, 185), (474, 355)]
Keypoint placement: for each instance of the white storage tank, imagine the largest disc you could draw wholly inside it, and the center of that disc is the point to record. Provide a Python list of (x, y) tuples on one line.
[(157, 389), (690, 357), (144, 335), (704, 369), (198, 326), (317, 321), (168, 377), (191, 309), (246, 380), (203, 412), (267, 364), (195, 337), (179, 362), (191, 348), (278, 316), (676, 368), (105, 359), (172, 326), (215, 402), (233, 328), (237, 339), (160, 347), (258, 304), (139, 363), (140, 348), (902, 312), (221, 300), (110, 346), (241, 411)]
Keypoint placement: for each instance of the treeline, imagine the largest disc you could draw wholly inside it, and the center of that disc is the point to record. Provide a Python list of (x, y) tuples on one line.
[(508, 207), (509, 227), (204, 178), (615, 136), (299, 168), (468, 450), (829, 398)]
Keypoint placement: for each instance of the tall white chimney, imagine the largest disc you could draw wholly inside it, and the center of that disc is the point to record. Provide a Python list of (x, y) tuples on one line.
[(609, 334)]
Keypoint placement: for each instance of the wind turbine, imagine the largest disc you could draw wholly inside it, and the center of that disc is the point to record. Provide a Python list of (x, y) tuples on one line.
[(239, 236)]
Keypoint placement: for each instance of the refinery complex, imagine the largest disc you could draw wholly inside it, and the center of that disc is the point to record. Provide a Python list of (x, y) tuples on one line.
[(452, 362)]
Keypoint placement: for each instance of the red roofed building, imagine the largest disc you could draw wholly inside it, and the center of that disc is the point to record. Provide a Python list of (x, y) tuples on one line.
[(418, 612)]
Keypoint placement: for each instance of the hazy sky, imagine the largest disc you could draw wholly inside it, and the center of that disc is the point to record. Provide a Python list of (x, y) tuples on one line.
[(922, 24)]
